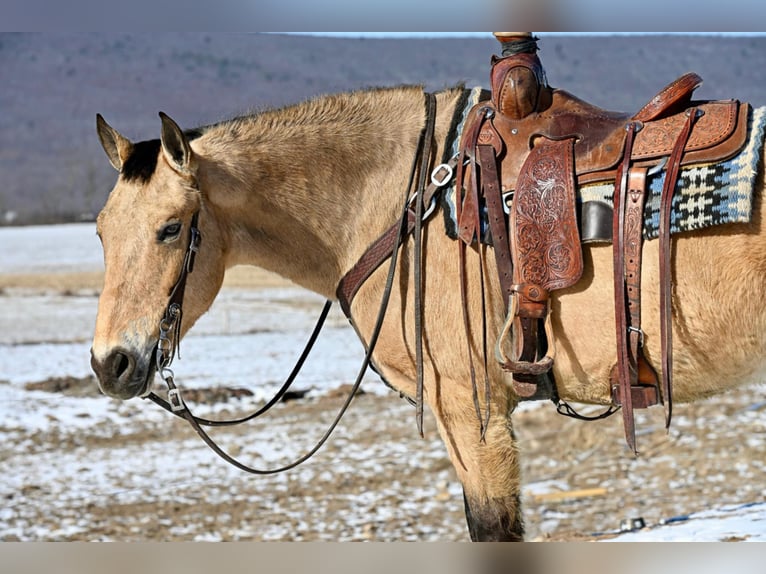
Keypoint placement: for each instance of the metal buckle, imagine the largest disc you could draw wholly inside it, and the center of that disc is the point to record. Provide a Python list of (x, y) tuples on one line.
[(507, 200), (175, 401), (194, 241), (196, 236), (640, 334), (448, 173)]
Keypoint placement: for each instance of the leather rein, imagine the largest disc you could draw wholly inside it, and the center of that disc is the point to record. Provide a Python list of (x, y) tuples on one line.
[(168, 344)]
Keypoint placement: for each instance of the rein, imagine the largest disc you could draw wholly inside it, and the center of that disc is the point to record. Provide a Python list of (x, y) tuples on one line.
[(168, 344)]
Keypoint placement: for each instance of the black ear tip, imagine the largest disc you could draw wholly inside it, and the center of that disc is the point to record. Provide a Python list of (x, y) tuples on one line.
[(167, 121)]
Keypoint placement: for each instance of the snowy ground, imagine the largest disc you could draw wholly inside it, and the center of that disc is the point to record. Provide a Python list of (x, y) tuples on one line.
[(79, 466)]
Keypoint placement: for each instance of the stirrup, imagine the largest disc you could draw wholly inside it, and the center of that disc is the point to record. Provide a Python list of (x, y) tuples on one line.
[(524, 367)]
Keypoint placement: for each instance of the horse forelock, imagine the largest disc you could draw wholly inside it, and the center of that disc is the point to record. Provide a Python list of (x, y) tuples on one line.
[(142, 162)]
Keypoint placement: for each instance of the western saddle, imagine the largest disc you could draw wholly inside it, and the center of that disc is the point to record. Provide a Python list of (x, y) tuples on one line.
[(525, 151)]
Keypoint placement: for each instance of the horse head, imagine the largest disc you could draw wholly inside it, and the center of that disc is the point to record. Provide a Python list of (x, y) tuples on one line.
[(145, 232)]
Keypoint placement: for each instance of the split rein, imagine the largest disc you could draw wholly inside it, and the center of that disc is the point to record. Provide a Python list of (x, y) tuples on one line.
[(168, 344)]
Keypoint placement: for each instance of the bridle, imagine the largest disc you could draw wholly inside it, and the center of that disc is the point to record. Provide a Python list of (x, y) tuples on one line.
[(168, 343)]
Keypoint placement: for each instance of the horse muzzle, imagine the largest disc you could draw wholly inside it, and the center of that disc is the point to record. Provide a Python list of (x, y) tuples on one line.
[(123, 374)]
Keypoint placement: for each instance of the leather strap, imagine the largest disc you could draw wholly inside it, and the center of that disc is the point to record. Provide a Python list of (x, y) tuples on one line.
[(373, 258), (634, 225), (497, 219), (174, 310), (425, 161), (666, 287), (388, 245), (381, 249), (644, 383), (620, 295), (277, 396), (469, 226)]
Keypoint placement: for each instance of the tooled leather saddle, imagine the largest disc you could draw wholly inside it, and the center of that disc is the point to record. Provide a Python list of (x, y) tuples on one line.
[(525, 151)]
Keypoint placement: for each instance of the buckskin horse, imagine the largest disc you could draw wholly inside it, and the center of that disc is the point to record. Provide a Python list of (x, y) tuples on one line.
[(333, 195)]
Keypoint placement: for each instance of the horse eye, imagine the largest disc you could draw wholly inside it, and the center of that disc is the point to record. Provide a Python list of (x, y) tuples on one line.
[(169, 232)]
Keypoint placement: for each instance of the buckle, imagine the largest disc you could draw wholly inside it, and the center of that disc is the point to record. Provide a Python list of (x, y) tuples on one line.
[(640, 334), (445, 178), (196, 238), (175, 401), (507, 201)]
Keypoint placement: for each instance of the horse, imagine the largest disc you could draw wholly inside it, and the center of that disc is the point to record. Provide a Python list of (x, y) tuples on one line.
[(303, 190)]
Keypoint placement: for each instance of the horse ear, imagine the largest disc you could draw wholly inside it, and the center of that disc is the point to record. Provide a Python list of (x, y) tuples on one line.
[(175, 145), (117, 147)]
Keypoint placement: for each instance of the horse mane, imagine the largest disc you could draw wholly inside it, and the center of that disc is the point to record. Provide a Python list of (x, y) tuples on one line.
[(344, 110), (321, 109)]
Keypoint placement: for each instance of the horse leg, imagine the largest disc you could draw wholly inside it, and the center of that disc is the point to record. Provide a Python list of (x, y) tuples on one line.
[(489, 470)]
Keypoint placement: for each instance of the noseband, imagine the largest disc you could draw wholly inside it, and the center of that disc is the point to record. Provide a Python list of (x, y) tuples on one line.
[(168, 344)]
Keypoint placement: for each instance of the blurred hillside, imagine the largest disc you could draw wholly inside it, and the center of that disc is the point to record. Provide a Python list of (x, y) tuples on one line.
[(52, 167)]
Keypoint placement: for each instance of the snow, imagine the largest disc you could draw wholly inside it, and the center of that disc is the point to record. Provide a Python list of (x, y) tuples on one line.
[(744, 521), (73, 247)]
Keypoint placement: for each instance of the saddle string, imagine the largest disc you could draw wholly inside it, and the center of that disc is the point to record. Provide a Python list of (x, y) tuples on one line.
[(171, 323)]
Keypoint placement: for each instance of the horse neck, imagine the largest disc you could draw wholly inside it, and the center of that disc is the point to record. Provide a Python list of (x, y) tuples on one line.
[(303, 191)]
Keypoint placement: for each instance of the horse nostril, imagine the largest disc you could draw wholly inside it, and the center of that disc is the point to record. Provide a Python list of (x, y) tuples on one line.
[(120, 364)]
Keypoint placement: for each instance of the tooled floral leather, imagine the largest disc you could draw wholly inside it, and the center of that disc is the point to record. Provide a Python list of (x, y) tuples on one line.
[(545, 239), (714, 126)]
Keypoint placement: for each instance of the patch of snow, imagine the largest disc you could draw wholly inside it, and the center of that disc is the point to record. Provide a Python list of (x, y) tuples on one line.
[(745, 522), (36, 248)]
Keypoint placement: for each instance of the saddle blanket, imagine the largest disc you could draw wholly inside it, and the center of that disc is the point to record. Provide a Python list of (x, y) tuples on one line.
[(705, 195)]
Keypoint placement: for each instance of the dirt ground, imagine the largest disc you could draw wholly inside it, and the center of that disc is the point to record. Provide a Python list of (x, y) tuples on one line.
[(376, 479)]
